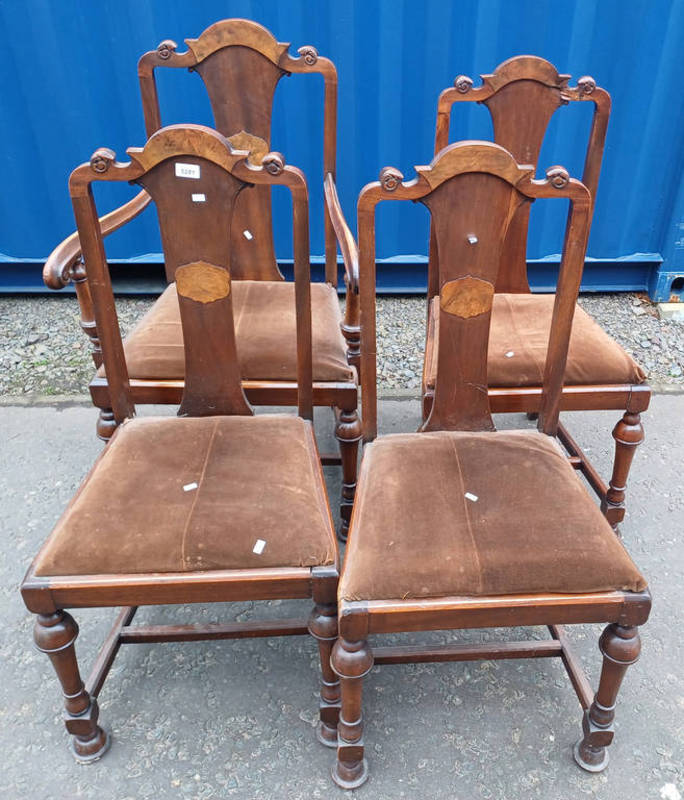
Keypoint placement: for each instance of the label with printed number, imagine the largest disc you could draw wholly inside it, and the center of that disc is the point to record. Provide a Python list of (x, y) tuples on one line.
[(187, 170)]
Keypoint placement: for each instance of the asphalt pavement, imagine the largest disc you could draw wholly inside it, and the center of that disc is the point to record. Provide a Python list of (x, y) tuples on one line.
[(236, 719)]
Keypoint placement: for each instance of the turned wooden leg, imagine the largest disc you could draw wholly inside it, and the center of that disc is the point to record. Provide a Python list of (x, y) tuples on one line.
[(106, 424), (55, 634), (323, 627), (348, 434), (85, 302), (628, 435), (351, 329), (620, 647), (351, 661), (353, 339)]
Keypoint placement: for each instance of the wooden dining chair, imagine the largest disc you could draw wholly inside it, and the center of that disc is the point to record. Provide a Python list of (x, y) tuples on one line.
[(240, 63), (522, 95), (214, 505), (459, 526)]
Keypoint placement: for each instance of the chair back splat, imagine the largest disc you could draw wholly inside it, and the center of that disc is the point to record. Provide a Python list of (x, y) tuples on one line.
[(194, 176), (522, 95), (241, 63), (473, 191)]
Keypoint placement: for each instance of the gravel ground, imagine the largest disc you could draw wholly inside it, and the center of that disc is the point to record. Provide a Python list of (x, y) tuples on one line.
[(44, 352)]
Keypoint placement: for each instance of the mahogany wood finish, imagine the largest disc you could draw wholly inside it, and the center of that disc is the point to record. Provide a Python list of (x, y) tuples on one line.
[(474, 191), (213, 387), (55, 635), (230, 55), (521, 95), (240, 63), (620, 646)]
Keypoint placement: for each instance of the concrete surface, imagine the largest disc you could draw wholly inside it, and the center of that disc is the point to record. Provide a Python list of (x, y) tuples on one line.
[(674, 311), (235, 719)]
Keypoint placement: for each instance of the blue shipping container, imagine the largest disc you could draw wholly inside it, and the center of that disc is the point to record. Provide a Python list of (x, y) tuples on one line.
[(70, 86)]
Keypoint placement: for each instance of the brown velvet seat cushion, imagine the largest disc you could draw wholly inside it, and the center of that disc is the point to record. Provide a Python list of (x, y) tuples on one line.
[(533, 528), (265, 330), (258, 478), (520, 324)]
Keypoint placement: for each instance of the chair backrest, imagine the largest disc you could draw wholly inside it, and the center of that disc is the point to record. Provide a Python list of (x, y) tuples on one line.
[(194, 177), (473, 191), (522, 95), (240, 63)]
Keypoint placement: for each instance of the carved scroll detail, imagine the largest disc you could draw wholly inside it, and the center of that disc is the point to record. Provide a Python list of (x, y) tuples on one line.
[(586, 84), (558, 177), (166, 48), (463, 84), (101, 159), (202, 282), (309, 54), (466, 297), (274, 163), (390, 178)]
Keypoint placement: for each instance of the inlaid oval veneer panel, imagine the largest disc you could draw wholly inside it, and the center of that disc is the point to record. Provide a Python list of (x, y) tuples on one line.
[(202, 282), (466, 297)]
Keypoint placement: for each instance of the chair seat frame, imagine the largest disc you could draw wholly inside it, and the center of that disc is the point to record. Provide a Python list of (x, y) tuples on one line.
[(463, 406), (532, 87), (270, 60), (49, 597), (212, 387)]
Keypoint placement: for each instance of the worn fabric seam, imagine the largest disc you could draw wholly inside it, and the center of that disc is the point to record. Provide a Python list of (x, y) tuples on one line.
[(238, 319), (197, 493), (467, 515), (523, 344)]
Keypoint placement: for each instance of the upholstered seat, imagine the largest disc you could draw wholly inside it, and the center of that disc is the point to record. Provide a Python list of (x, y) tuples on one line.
[(264, 313), (256, 478), (468, 514), (518, 339)]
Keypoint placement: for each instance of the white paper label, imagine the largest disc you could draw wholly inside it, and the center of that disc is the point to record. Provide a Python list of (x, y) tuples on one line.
[(248, 235), (187, 170), (472, 497), (259, 547), (199, 198), (189, 487)]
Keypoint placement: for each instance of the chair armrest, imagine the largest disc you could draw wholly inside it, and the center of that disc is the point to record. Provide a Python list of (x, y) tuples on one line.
[(57, 269), (347, 243)]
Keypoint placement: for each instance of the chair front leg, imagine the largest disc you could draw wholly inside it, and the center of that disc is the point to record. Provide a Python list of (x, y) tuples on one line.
[(323, 627), (628, 435), (620, 647), (55, 634), (348, 435), (351, 661)]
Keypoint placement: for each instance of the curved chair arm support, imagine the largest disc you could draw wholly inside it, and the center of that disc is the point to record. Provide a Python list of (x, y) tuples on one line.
[(58, 267), (345, 239), (351, 324)]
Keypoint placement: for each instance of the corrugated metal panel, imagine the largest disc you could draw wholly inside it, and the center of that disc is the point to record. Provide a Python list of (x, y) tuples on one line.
[(70, 85)]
